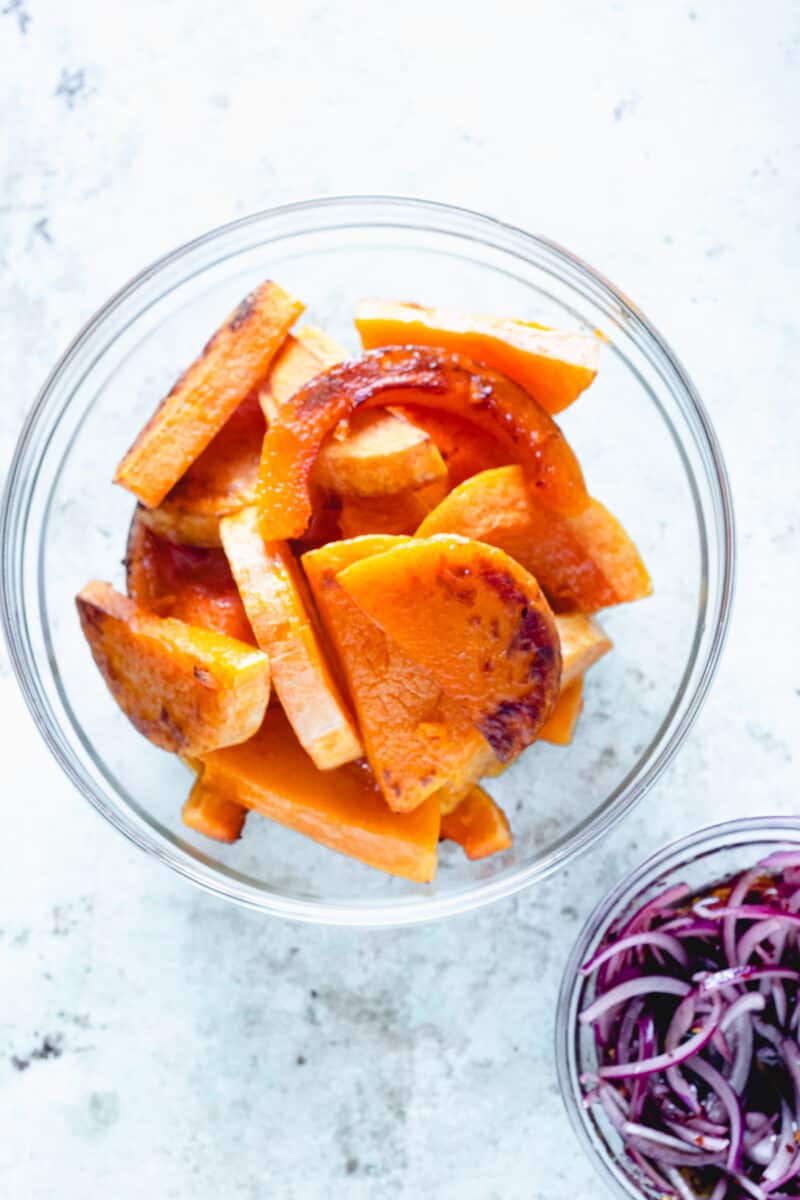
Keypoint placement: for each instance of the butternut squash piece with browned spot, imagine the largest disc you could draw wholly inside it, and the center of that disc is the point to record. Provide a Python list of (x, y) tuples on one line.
[(582, 563), (276, 602), (417, 740), (552, 365), (188, 582), (342, 808), (478, 825), (432, 378), (371, 454), (234, 361), (302, 356), (477, 622), (560, 725), (187, 689), (221, 481)]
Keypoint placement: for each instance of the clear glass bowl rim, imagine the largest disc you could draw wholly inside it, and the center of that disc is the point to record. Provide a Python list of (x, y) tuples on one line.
[(12, 618), (671, 857)]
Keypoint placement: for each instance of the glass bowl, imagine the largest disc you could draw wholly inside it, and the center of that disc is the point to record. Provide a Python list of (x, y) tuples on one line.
[(642, 435), (699, 859)]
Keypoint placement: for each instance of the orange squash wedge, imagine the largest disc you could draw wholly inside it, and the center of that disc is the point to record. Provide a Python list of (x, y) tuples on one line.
[(582, 563), (234, 361), (210, 811), (476, 621), (560, 725), (187, 689), (583, 642), (187, 582), (342, 808), (220, 481), (417, 740), (375, 453), (396, 513), (553, 365), (302, 356), (275, 598), (466, 448), (370, 454), (478, 825), (432, 378)]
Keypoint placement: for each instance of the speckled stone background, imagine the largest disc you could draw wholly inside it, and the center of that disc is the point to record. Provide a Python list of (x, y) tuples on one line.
[(156, 1041)]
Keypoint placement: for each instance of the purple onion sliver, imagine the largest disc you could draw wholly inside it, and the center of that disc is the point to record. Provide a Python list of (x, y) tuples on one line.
[(627, 1029), (748, 1003), (678, 1027), (753, 912), (748, 1186), (737, 896), (730, 1102), (791, 1056), (755, 934), (648, 1169), (786, 1150), (743, 1058), (646, 985), (681, 1186), (670, 1058), (634, 941), (781, 860), (738, 975), (703, 1141)]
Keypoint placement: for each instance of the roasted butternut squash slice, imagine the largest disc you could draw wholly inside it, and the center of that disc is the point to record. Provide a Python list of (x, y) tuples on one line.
[(465, 447), (417, 740), (195, 585), (234, 361), (582, 563), (301, 357), (343, 808), (376, 452), (210, 811), (582, 642), (187, 689), (476, 621), (221, 481), (370, 454), (275, 599), (397, 513), (478, 825), (432, 378), (560, 725), (553, 365)]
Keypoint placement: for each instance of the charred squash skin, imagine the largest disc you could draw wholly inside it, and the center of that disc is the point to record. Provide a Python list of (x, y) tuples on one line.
[(431, 378), (554, 365)]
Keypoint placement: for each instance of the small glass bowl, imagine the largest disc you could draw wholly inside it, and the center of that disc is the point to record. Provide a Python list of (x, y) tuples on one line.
[(642, 435), (699, 859)]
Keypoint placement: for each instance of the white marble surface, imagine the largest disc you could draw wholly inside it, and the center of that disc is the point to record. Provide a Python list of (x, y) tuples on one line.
[(175, 1046)]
